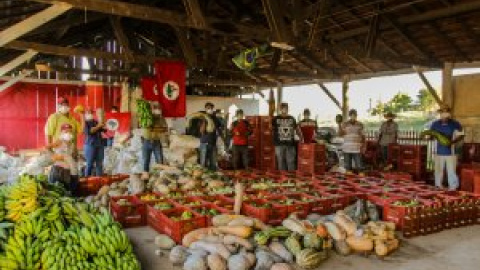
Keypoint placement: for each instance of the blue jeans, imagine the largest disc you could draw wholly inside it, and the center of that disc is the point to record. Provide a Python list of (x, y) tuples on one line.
[(94, 156), (148, 148), (286, 155), (110, 142), (350, 158), (208, 156)]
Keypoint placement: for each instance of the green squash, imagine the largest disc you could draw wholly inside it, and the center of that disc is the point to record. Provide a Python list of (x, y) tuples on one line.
[(312, 240), (293, 244), (310, 258)]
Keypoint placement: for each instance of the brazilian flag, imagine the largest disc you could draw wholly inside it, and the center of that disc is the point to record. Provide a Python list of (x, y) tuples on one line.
[(247, 59)]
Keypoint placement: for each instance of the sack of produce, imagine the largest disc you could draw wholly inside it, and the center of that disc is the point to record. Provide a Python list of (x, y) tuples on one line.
[(136, 185), (184, 141)]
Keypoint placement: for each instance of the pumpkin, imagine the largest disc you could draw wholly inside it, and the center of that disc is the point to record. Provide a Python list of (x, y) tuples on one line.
[(216, 262), (292, 244), (281, 266), (310, 259), (312, 240), (322, 230)]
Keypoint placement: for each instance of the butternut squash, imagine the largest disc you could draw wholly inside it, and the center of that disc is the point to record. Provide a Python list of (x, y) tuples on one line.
[(216, 262), (347, 224), (232, 240), (321, 230), (195, 235), (212, 248), (360, 244), (240, 231), (223, 220), (334, 231), (385, 247)]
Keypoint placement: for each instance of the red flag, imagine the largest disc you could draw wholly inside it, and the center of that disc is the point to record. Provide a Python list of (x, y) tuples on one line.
[(117, 122), (149, 89), (171, 78)]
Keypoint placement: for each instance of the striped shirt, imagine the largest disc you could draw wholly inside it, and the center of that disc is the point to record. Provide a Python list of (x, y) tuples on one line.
[(352, 140)]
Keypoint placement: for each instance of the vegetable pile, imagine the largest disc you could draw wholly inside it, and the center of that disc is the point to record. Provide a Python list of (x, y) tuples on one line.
[(44, 229)]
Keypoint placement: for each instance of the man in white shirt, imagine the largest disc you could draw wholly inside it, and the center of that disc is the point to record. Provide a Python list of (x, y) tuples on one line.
[(353, 142)]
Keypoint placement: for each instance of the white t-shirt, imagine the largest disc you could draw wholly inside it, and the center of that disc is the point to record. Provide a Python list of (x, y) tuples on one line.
[(352, 140)]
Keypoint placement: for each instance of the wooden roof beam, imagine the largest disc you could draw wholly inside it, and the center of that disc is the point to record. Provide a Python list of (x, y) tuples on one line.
[(460, 8), (69, 51), (194, 12), (121, 37), (330, 95), (19, 60), (276, 21), (4, 86), (225, 82), (17, 30), (429, 86), (319, 22), (186, 45), (71, 22)]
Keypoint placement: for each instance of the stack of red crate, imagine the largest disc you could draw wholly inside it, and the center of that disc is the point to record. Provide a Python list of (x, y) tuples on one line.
[(371, 153), (392, 154), (312, 158), (254, 142), (261, 148), (471, 152), (413, 159)]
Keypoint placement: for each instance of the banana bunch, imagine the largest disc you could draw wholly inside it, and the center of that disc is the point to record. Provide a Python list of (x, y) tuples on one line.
[(3, 212), (145, 113), (21, 198), (65, 252), (24, 247), (4, 232)]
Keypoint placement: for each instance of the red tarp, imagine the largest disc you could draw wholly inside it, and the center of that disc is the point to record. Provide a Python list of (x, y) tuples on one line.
[(25, 107)]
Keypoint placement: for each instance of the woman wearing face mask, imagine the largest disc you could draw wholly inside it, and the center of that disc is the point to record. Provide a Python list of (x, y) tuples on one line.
[(446, 156), (353, 142), (153, 137), (93, 146), (65, 168), (388, 135)]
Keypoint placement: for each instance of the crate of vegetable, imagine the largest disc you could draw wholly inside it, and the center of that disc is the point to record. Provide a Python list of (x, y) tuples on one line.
[(179, 221), (188, 201), (381, 199), (298, 203), (280, 208), (257, 208), (209, 211), (127, 211), (154, 209), (396, 211)]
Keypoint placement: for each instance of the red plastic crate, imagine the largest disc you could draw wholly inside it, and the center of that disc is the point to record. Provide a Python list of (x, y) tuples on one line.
[(339, 200), (176, 229), (321, 204), (417, 152), (382, 199), (396, 214), (262, 213), (208, 218), (299, 206), (188, 201), (128, 216)]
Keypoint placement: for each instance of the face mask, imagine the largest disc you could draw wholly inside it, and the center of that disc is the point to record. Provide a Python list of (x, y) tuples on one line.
[(209, 111), (66, 137), (88, 116), (307, 116), (445, 115), (157, 112), (284, 111), (389, 119), (353, 117), (240, 116), (64, 109)]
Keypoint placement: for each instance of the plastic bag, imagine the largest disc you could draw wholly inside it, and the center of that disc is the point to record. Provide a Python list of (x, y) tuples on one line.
[(136, 185), (184, 141)]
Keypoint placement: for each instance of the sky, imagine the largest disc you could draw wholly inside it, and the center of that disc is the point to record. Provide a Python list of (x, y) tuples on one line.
[(361, 92)]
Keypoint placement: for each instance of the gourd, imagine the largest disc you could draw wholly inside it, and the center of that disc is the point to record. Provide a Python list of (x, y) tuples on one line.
[(293, 245), (195, 235), (232, 239), (264, 260), (294, 225), (212, 248), (334, 231), (238, 262), (348, 225), (383, 248), (216, 262), (312, 240), (240, 231), (360, 244), (222, 220), (281, 251), (281, 266), (178, 255), (195, 263), (322, 230), (309, 258)]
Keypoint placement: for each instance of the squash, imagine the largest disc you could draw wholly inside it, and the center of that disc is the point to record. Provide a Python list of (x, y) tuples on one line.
[(216, 262), (312, 240), (347, 224), (215, 184), (264, 260), (281, 266), (240, 231), (341, 247), (232, 240), (164, 242), (242, 221), (223, 220), (195, 235), (294, 225), (310, 259), (212, 248), (195, 263), (178, 255), (383, 248), (238, 262), (360, 244), (334, 231), (321, 230), (292, 244), (250, 257), (280, 250), (239, 191)]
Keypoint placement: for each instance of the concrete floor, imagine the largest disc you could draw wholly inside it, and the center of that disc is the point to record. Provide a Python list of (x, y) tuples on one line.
[(457, 249)]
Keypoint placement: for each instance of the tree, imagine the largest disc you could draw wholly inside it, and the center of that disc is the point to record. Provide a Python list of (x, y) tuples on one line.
[(426, 102), (399, 103)]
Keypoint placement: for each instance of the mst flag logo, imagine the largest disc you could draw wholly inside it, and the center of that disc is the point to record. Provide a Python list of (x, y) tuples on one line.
[(171, 90)]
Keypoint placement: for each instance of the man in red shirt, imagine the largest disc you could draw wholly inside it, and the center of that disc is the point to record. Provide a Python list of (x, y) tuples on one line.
[(308, 127), (240, 129)]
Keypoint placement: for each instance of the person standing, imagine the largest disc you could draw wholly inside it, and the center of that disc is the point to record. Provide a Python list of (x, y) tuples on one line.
[(353, 141), (63, 116), (284, 128), (93, 146), (388, 135), (109, 135), (446, 156), (240, 130), (153, 137), (308, 127), (65, 167), (208, 137)]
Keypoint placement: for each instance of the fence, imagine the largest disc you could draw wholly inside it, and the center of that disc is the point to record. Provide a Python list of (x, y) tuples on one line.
[(410, 137)]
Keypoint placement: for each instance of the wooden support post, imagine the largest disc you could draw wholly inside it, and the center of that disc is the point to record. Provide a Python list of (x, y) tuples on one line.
[(14, 80), (345, 82), (279, 96), (329, 94), (447, 85), (17, 62), (17, 30), (429, 86), (186, 45)]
